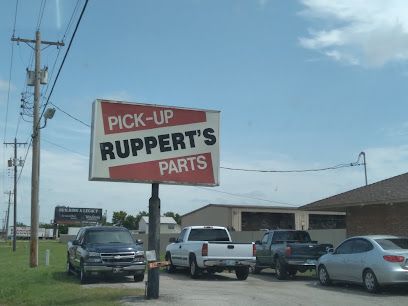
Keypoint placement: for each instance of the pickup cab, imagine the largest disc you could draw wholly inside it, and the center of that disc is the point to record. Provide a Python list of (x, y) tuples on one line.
[(105, 250), (288, 251), (210, 249)]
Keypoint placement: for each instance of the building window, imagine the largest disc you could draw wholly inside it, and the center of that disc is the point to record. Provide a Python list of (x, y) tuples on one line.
[(171, 226), (255, 221), (327, 221)]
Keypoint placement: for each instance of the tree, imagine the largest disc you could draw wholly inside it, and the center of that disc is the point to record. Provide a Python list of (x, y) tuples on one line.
[(130, 222), (175, 216), (119, 217), (46, 225)]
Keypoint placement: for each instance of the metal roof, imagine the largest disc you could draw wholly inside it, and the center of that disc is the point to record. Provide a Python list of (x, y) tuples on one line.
[(163, 220), (242, 206)]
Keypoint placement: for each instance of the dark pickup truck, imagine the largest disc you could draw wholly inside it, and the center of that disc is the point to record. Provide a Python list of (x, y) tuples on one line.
[(288, 251), (105, 250)]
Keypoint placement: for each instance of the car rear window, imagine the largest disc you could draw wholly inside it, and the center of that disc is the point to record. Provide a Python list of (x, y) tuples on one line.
[(393, 243), (208, 234)]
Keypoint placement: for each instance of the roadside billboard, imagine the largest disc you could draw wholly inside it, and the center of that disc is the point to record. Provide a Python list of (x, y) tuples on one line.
[(145, 143), (72, 215)]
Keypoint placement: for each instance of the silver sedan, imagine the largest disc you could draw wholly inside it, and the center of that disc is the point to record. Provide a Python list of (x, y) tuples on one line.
[(374, 261)]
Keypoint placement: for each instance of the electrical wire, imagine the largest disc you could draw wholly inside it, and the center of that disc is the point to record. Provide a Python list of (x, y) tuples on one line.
[(248, 197), (62, 147), (8, 94), (296, 170), (69, 115), (41, 14), (25, 158), (62, 63), (44, 92)]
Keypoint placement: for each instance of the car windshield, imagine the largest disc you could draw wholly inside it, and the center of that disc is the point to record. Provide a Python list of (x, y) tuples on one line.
[(393, 243), (208, 234), (108, 237)]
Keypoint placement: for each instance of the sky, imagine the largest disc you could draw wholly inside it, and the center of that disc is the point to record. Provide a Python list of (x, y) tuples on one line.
[(300, 84)]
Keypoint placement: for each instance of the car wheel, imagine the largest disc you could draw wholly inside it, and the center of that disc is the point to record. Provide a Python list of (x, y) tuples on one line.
[(280, 269), (194, 269), (170, 268), (370, 281), (83, 276), (138, 277), (242, 273), (324, 277)]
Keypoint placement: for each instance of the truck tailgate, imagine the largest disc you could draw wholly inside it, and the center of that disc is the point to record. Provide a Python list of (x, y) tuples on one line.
[(230, 250), (308, 250)]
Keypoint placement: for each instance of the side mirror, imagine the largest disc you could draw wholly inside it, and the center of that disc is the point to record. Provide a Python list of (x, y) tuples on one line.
[(330, 250), (258, 242), (173, 240), (139, 241), (75, 242)]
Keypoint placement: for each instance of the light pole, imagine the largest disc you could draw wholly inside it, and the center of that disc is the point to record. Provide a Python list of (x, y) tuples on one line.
[(364, 163)]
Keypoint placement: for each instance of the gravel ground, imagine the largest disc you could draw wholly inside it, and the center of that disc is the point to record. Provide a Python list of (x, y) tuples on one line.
[(262, 289)]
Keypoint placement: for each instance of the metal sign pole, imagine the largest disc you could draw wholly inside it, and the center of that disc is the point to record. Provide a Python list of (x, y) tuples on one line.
[(154, 241)]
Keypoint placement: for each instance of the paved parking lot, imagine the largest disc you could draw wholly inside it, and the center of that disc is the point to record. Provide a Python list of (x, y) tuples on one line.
[(263, 289)]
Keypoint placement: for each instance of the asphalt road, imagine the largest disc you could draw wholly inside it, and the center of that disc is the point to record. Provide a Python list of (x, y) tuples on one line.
[(262, 289)]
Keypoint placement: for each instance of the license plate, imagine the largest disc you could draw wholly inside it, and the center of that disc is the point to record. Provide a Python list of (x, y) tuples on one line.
[(117, 270), (230, 262)]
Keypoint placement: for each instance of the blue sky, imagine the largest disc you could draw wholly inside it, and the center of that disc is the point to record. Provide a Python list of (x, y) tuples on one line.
[(300, 84)]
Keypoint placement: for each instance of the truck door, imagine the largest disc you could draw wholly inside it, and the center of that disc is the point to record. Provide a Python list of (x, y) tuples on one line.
[(75, 252), (176, 253)]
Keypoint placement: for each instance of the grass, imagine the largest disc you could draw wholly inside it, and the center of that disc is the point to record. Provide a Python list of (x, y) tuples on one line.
[(48, 285)]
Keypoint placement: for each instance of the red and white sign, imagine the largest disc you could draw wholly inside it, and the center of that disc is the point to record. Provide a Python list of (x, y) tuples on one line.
[(154, 144)]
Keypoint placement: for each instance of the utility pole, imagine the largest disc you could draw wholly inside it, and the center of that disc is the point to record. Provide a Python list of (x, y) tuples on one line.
[(35, 171), (15, 163), (7, 215)]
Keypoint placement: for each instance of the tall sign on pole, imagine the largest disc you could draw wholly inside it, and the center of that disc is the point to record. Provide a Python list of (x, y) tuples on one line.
[(157, 144)]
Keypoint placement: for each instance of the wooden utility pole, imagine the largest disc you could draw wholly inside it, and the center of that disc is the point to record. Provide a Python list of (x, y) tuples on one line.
[(35, 171), (7, 216), (15, 163)]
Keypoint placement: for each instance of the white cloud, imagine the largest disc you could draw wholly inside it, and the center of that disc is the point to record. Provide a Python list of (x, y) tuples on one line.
[(4, 86), (371, 33), (262, 3)]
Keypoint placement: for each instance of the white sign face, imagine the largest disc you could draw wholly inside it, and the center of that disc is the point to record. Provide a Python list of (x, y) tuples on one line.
[(154, 144)]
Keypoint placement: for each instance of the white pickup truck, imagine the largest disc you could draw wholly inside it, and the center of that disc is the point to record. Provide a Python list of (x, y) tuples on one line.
[(210, 249)]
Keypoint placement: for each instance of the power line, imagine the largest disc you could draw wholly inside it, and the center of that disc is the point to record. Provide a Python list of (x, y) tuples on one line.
[(248, 197), (59, 49), (69, 115), (296, 170), (63, 61), (15, 18), (9, 90), (25, 158), (41, 14), (10, 72), (62, 147)]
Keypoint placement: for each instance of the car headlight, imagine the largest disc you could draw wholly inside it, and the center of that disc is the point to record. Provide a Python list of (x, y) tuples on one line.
[(94, 254)]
